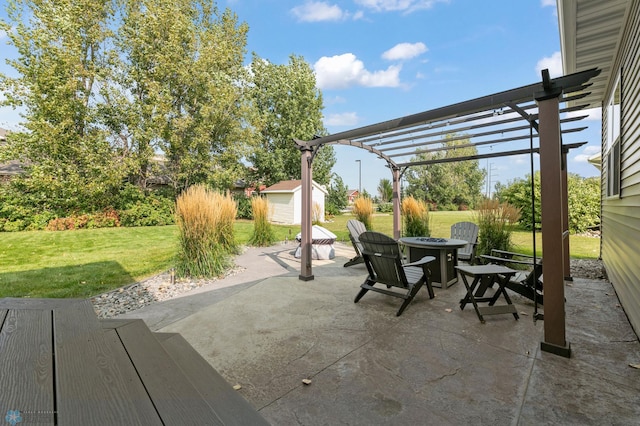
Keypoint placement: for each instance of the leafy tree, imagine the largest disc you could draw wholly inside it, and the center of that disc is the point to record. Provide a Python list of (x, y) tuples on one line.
[(583, 200), (287, 106), (518, 194), (337, 195), (385, 190), (63, 59), (179, 91), (447, 185)]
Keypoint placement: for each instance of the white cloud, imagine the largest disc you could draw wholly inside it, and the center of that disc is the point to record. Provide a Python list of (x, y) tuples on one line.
[(521, 159), (316, 11), (406, 6), (548, 3), (342, 71), (343, 119), (588, 152), (553, 63), (403, 51), (591, 149)]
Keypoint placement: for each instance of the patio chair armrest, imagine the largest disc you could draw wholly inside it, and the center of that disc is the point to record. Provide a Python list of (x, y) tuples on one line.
[(509, 254), (421, 262), (503, 260)]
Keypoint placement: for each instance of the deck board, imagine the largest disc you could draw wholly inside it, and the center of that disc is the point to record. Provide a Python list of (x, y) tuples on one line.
[(144, 407), (175, 398), (89, 385), (26, 382)]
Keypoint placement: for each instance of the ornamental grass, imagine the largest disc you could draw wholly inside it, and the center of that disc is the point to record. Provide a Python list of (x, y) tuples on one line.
[(496, 223), (205, 225), (363, 211), (416, 218), (263, 233)]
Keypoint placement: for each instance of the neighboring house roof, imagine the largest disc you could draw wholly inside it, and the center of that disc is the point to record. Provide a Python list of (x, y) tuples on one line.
[(12, 167), (290, 186), (590, 33), (352, 192)]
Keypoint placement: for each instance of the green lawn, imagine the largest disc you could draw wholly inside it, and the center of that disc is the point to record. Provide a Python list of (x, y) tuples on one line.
[(84, 263)]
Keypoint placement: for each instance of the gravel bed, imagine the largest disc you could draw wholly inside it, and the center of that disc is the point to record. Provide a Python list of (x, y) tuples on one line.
[(155, 289), (592, 269)]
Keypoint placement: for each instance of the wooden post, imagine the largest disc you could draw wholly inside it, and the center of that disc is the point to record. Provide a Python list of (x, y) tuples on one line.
[(552, 221), (306, 273), (396, 202)]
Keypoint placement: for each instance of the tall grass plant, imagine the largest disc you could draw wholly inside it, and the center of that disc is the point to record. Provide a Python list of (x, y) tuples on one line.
[(203, 237), (363, 211), (416, 218), (496, 222), (263, 234)]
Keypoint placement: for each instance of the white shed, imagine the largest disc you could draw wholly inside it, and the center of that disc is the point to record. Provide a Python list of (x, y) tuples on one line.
[(286, 199)]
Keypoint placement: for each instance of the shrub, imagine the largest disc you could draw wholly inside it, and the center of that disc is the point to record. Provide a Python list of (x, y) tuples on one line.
[(243, 204), (263, 234), (109, 218), (152, 210), (200, 254), (495, 222), (363, 211), (14, 225), (416, 218), (331, 209), (385, 207)]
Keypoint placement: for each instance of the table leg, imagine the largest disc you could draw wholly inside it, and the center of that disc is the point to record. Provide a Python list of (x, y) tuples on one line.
[(502, 288), (469, 297)]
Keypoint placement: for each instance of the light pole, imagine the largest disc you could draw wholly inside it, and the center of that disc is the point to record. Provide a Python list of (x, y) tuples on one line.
[(359, 177)]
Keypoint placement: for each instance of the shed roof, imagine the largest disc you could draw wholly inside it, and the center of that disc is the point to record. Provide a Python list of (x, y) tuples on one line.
[(290, 186)]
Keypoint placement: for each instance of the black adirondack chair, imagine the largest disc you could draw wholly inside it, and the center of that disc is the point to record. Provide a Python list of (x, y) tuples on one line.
[(529, 282), (383, 259)]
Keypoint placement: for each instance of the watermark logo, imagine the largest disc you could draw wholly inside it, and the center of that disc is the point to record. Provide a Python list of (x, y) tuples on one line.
[(13, 417)]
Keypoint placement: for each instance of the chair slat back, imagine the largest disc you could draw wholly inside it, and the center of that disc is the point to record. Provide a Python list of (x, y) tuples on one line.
[(355, 228), (467, 231), (383, 259)]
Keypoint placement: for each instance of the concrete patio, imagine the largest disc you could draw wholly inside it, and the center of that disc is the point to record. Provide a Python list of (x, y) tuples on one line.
[(266, 331)]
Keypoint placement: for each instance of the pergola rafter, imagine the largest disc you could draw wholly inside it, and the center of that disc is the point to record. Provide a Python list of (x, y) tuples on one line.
[(499, 113)]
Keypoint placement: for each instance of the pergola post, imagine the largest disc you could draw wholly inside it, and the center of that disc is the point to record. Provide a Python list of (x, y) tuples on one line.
[(552, 220), (396, 202), (306, 273)]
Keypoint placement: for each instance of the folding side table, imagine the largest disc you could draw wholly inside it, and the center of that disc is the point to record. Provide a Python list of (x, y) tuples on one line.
[(484, 276)]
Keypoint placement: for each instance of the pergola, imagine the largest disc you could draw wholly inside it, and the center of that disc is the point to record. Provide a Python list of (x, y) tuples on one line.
[(509, 122)]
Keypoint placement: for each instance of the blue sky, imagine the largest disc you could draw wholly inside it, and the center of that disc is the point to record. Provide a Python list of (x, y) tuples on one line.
[(380, 59)]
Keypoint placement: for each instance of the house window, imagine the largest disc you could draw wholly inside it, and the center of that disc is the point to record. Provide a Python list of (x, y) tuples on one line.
[(612, 141)]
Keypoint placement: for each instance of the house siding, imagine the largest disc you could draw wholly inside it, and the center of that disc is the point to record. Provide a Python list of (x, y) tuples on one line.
[(283, 207), (621, 215), (286, 202)]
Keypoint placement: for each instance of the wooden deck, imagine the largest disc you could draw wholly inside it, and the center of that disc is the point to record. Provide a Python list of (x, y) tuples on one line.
[(60, 365)]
